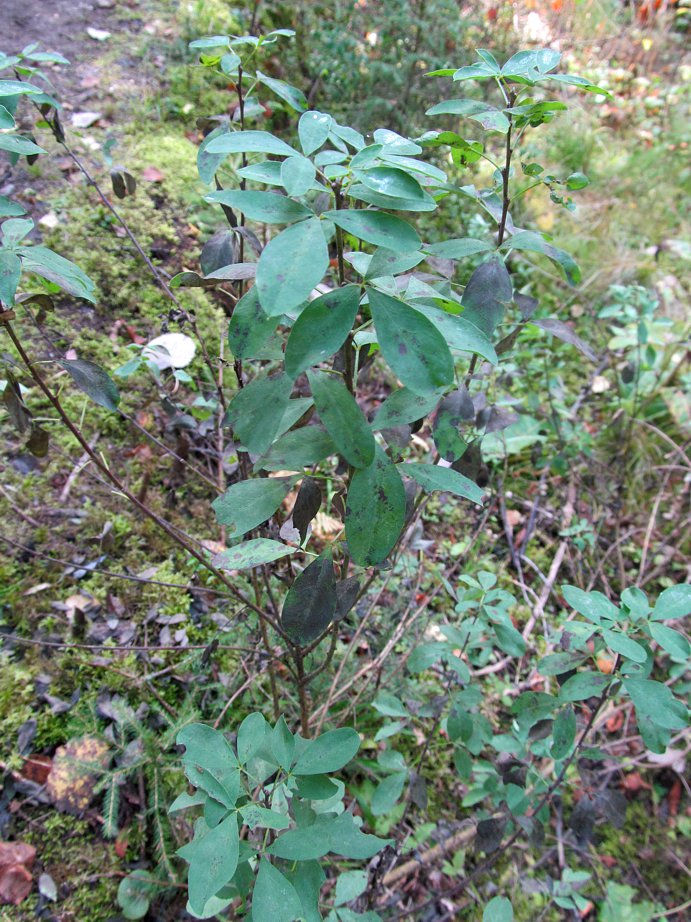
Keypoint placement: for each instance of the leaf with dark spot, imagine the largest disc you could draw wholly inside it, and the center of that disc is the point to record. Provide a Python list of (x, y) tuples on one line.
[(310, 604), (488, 291), (455, 409), (375, 511), (12, 399), (306, 506), (564, 332), (218, 251), (347, 591), (38, 442), (94, 381), (490, 833)]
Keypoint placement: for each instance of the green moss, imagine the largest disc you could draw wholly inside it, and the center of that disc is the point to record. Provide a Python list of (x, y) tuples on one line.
[(79, 864)]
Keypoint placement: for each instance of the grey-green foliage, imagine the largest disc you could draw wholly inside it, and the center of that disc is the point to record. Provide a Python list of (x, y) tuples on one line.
[(343, 206), (267, 812)]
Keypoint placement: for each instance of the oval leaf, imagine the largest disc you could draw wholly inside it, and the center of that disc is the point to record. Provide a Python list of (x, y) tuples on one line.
[(252, 553), (247, 504), (375, 510), (321, 329), (328, 752), (290, 266), (434, 477), (343, 418), (383, 230), (411, 344), (256, 411), (94, 381), (267, 207), (310, 604)]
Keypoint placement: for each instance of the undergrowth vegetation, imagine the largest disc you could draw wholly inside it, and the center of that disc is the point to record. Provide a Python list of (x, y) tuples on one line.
[(344, 393)]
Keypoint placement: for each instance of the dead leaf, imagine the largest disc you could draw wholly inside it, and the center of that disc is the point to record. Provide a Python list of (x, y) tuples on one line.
[(36, 768), (514, 517), (152, 174), (85, 119), (15, 878), (73, 777)]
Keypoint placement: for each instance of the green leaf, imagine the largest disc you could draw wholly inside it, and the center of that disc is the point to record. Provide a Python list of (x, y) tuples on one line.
[(18, 88), (94, 381), (455, 409), (267, 207), (563, 733), (434, 477), (213, 858), (592, 605), (559, 663), (308, 878), (208, 163), (134, 894), (583, 685), (491, 118), (375, 511), (313, 130), (656, 701), (246, 142), (458, 248), (459, 333), (403, 406), (536, 243), (486, 295), (10, 209), (266, 171), (16, 144), (249, 503), (321, 329), (389, 705), (564, 332), (252, 734), (210, 763), (282, 743), (499, 909), (298, 449), (673, 603), (386, 262), (310, 603), (623, 645), (15, 230), (329, 752), (316, 787), (250, 329), (349, 886), (10, 272), (297, 175), (345, 838), (383, 230), (580, 82), (391, 181), (509, 639), (290, 94), (343, 418), (290, 266), (274, 898), (256, 411), (252, 553), (387, 793), (362, 193), (672, 641), (476, 71), (59, 270), (413, 347)]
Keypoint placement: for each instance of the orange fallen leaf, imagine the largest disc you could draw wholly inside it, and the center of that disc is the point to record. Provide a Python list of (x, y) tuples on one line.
[(605, 664)]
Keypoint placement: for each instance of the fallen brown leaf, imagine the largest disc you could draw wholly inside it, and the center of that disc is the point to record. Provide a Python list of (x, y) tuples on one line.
[(15, 877), (152, 174)]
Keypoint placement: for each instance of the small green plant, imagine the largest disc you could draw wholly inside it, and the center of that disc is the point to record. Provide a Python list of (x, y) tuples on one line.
[(269, 812), (319, 311)]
